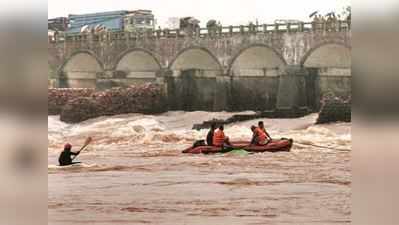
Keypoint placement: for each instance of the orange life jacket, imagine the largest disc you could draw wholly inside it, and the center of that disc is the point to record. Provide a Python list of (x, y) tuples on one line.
[(260, 134), (218, 138)]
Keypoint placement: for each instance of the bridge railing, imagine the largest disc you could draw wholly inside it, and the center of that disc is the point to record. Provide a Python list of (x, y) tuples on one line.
[(216, 31)]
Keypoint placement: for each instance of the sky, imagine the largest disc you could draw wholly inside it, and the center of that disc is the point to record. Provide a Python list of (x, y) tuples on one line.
[(228, 12)]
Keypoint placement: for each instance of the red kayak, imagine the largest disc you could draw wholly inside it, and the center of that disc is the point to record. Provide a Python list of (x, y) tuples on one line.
[(283, 145)]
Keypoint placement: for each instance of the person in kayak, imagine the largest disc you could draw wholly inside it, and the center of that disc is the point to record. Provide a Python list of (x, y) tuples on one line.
[(209, 137), (220, 139), (259, 137), (65, 158), (262, 127), (254, 135)]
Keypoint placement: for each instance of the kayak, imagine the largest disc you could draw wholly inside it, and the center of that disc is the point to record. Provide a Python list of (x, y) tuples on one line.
[(282, 145), (77, 165)]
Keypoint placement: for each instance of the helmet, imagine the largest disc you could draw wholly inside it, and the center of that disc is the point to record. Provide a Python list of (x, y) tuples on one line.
[(67, 146)]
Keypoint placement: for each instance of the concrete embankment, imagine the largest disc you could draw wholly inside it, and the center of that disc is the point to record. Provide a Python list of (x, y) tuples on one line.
[(76, 105)]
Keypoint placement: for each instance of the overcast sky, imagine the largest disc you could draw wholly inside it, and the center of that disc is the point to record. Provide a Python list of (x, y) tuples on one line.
[(228, 12)]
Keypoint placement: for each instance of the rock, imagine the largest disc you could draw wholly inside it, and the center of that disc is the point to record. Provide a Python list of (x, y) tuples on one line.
[(277, 113), (335, 109), (58, 97), (80, 109), (207, 124), (76, 105)]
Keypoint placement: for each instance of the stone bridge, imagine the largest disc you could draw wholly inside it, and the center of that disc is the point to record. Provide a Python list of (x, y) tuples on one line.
[(228, 68)]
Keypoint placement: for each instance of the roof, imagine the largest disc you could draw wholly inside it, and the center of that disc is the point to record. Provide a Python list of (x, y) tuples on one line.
[(98, 14)]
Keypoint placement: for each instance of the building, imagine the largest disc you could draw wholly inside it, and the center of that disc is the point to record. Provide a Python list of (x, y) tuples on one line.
[(113, 21), (139, 20), (57, 24)]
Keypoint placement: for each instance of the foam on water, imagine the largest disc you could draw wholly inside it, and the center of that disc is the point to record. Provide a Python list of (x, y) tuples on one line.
[(175, 127)]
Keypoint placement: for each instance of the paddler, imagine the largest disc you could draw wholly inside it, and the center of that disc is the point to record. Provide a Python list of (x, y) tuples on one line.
[(254, 135), (209, 137), (260, 136), (65, 158), (262, 127), (220, 139)]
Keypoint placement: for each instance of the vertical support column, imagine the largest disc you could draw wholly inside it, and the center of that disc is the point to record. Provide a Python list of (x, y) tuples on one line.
[(301, 27), (158, 34), (220, 31), (276, 27), (292, 88), (223, 85)]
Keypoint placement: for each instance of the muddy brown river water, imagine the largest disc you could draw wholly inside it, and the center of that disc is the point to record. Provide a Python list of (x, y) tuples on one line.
[(134, 173)]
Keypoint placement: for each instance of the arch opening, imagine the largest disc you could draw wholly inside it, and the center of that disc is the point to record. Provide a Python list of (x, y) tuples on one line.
[(138, 66), (255, 72), (328, 56), (258, 60), (198, 59), (193, 83), (329, 72), (80, 71)]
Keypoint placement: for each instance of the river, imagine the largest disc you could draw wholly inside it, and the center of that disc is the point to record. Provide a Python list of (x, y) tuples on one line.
[(134, 173)]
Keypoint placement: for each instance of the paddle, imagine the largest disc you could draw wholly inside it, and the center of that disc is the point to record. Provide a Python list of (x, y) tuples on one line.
[(87, 142)]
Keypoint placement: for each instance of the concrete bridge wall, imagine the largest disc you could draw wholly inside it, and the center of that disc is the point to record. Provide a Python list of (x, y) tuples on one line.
[(234, 71)]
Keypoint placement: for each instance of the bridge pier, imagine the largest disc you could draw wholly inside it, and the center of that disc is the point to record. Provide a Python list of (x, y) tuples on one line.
[(254, 90), (292, 88), (222, 93), (335, 81)]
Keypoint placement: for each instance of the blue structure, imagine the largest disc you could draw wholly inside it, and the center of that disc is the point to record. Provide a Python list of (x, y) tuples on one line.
[(113, 21)]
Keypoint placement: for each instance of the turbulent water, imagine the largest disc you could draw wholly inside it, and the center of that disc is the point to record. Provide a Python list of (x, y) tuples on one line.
[(134, 173)]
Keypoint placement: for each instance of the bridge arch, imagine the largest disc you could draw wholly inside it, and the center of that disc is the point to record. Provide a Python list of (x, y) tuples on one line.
[(197, 58), (193, 84), (328, 54), (254, 72), (255, 59), (138, 64), (329, 70), (80, 70)]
